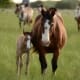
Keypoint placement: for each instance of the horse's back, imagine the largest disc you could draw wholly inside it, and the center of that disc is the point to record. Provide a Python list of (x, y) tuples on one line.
[(20, 41), (29, 11)]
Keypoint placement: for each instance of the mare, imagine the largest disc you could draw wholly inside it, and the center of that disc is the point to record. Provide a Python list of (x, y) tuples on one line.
[(24, 13), (48, 36), (22, 48)]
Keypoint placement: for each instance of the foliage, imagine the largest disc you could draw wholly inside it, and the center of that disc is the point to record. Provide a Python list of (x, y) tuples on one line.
[(5, 4), (70, 4)]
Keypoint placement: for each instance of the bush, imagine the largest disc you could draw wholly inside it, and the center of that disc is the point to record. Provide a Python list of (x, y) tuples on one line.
[(4, 3), (66, 4), (36, 4), (45, 3)]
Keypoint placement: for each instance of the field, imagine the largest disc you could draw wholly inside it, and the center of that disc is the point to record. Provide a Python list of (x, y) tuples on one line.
[(68, 63)]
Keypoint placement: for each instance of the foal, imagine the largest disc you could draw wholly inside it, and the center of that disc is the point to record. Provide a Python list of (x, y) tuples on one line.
[(23, 46)]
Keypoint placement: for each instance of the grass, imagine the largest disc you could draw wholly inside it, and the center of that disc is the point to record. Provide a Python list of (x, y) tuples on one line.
[(68, 63)]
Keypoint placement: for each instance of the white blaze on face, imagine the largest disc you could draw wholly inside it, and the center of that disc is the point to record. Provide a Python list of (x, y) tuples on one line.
[(17, 1), (28, 46), (45, 35)]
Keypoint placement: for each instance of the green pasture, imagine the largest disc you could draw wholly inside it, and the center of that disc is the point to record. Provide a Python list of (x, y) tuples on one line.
[(69, 59)]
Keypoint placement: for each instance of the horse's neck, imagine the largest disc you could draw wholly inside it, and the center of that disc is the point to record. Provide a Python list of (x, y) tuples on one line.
[(60, 17), (37, 26)]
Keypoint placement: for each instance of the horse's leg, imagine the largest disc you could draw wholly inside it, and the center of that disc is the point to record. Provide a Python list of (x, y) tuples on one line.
[(24, 22), (20, 23), (78, 25), (17, 62), (18, 68), (19, 65), (54, 60), (42, 62), (27, 62)]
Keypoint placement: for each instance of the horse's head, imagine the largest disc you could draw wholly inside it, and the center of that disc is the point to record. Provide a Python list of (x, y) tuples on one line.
[(17, 9), (47, 21)]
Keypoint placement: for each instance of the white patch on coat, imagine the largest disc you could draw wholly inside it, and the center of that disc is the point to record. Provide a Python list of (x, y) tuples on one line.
[(45, 35), (28, 44)]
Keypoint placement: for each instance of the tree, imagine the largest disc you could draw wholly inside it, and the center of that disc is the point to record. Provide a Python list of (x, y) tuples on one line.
[(4, 3)]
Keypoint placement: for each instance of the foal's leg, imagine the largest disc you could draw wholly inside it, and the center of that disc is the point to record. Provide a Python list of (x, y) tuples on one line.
[(18, 68), (19, 65), (42, 62), (17, 62), (54, 60), (27, 62)]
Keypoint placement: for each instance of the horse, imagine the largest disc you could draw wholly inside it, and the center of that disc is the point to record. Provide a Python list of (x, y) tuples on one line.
[(23, 47), (78, 23), (24, 13), (48, 36)]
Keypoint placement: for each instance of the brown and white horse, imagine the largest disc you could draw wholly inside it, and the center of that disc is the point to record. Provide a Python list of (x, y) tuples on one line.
[(23, 46), (24, 13), (48, 36)]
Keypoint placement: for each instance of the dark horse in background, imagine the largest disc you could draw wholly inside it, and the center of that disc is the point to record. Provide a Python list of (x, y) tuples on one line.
[(25, 13), (48, 36), (78, 22)]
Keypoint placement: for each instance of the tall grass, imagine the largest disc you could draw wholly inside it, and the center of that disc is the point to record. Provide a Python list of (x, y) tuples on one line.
[(68, 63)]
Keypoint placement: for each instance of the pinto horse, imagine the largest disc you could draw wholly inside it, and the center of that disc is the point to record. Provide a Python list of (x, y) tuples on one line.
[(24, 13), (23, 46), (78, 23), (48, 36)]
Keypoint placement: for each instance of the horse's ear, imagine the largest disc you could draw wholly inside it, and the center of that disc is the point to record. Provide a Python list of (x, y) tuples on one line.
[(43, 12), (52, 11)]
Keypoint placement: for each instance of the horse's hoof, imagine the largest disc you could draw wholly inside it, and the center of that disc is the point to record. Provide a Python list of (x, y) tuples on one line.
[(44, 72), (54, 73)]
